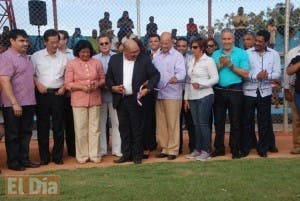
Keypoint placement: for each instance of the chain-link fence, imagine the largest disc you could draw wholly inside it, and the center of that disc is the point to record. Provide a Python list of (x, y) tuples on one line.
[(186, 18)]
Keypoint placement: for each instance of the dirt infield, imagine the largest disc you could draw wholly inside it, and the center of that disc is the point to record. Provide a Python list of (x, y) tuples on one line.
[(283, 141)]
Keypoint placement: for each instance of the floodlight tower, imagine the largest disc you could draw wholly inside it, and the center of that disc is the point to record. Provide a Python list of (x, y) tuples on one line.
[(7, 14)]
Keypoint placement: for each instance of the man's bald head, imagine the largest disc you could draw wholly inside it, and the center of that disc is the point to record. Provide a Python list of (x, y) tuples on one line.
[(131, 50), (166, 41)]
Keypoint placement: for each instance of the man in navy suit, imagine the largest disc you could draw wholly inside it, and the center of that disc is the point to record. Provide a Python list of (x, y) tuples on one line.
[(126, 73)]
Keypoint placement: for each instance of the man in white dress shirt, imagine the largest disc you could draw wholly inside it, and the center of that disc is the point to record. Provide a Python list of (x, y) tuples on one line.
[(50, 65), (264, 68)]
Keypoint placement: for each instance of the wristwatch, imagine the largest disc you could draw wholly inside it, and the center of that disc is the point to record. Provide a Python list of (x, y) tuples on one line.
[(231, 67)]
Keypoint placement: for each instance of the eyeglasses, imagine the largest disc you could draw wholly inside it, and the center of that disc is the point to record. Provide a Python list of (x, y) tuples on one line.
[(210, 45), (195, 47), (106, 43)]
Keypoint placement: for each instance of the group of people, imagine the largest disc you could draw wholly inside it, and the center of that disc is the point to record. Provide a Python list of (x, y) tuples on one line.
[(145, 93)]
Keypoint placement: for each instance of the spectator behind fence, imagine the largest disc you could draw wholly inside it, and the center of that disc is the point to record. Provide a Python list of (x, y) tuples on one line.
[(272, 29), (151, 29), (104, 23), (171, 66), (233, 65), (84, 77), (69, 122), (199, 97), (123, 24), (4, 36), (191, 30), (106, 109), (94, 41), (174, 36), (18, 100), (128, 34), (49, 65), (126, 73), (185, 115), (212, 46), (76, 37), (280, 20), (291, 93), (258, 93), (240, 23)]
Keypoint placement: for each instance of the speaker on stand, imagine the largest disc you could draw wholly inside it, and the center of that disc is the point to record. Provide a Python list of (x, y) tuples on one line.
[(37, 17)]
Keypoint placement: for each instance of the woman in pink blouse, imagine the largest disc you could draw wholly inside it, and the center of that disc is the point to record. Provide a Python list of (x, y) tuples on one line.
[(84, 76)]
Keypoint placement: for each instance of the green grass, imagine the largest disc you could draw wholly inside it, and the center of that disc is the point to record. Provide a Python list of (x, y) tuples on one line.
[(240, 180)]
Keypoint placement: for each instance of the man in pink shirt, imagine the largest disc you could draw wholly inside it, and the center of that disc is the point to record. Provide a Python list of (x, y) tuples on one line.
[(17, 95)]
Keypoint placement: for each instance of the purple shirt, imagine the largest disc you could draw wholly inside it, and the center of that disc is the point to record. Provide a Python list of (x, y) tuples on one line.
[(20, 70), (170, 64)]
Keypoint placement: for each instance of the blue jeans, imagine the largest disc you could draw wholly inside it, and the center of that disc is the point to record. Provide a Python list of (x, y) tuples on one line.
[(201, 109), (297, 101)]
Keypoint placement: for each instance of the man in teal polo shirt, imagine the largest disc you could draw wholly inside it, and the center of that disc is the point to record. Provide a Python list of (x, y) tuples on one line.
[(233, 65)]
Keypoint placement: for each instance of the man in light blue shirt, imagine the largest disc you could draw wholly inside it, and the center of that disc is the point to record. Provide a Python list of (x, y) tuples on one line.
[(170, 63), (264, 68), (107, 107), (233, 65)]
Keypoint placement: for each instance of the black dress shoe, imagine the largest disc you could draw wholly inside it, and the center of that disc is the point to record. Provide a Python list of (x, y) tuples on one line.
[(171, 157), (29, 164), (122, 160), (236, 155), (137, 161), (273, 149), (145, 156), (217, 153), (44, 162), (263, 155), (59, 162), (161, 155), (16, 167)]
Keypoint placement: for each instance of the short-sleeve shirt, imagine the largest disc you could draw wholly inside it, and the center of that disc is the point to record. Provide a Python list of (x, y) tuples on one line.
[(239, 59), (20, 71)]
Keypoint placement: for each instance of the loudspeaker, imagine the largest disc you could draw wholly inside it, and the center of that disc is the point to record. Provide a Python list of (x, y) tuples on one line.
[(37, 12)]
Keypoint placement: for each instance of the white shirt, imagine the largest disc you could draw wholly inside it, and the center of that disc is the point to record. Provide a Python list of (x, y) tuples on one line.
[(127, 75), (287, 79), (49, 70), (269, 61), (114, 43), (69, 53), (205, 73)]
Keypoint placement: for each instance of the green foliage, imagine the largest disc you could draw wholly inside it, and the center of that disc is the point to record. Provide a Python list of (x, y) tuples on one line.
[(259, 21)]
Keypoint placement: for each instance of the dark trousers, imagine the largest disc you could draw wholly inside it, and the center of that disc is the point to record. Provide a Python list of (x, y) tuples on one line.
[(50, 105), (69, 127), (231, 99), (265, 131), (149, 122), (18, 131), (131, 127), (238, 34)]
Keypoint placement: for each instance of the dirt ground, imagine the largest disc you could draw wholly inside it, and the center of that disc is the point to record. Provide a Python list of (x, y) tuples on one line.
[(283, 141)]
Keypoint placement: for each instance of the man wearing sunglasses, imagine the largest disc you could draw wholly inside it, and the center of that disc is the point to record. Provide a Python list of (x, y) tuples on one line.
[(107, 107)]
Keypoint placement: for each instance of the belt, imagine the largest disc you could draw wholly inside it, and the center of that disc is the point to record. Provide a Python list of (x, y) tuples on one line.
[(52, 90), (232, 86)]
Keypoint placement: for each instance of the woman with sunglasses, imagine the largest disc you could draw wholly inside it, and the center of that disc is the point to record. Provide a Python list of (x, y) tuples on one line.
[(212, 45), (199, 97), (84, 76)]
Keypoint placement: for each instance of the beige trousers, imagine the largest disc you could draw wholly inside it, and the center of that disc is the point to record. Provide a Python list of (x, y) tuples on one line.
[(167, 125), (87, 133)]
